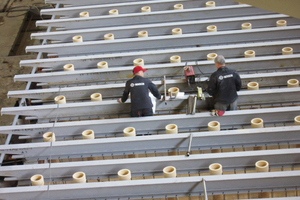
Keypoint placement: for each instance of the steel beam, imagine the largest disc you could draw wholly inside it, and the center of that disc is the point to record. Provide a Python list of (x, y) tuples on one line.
[(154, 17), (153, 187), (159, 29), (129, 7), (112, 107), (202, 68), (113, 127), (172, 41), (154, 165)]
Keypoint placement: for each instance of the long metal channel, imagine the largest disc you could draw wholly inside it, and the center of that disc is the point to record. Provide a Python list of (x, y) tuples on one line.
[(129, 7), (274, 79), (154, 17), (155, 143), (166, 28), (205, 68), (282, 198), (172, 41), (163, 56), (112, 107), (140, 166), (155, 187), (112, 127)]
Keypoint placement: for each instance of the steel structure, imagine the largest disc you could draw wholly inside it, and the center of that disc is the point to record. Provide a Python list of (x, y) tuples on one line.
[(147, 154)]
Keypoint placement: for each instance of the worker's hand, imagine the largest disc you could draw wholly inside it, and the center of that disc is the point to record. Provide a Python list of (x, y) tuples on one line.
[(162, 97), (120, 100)]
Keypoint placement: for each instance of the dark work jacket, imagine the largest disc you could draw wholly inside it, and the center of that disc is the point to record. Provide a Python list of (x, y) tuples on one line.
[(139, 87), (223, 85)]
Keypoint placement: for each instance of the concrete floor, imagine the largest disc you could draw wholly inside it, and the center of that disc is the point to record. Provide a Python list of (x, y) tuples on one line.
[(16, 25)]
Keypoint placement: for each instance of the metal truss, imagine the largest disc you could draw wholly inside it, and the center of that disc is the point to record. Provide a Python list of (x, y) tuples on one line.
[(154, 17), (170, 41), (160, 29), (162, 187), (155, 124), (150, 166)]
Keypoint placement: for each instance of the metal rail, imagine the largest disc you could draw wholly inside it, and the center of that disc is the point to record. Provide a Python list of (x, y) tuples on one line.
[(153, 188), (155, 124), (154, 17), (232, 161), (159, 29), (172, 41)]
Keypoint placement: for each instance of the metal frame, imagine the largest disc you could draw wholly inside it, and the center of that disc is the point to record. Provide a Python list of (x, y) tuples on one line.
[(173, 41)]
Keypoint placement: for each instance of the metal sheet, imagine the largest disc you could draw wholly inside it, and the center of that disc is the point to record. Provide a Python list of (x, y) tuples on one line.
[(172, 41)]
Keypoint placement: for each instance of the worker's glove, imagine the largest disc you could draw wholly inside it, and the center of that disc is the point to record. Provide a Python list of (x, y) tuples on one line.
[(217, 113), (120, 100)]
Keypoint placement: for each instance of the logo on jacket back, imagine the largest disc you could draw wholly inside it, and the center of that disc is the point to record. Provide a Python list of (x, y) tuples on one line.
[(136, 84), (226, 76)]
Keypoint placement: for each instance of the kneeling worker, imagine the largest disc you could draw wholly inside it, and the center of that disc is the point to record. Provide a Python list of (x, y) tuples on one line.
[(139, 87)]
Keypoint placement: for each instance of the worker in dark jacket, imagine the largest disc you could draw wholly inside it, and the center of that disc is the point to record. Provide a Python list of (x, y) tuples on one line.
[(223, 86), (139, 87)]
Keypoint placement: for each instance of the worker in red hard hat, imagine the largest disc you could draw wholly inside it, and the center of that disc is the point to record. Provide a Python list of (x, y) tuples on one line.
[(139, 88)]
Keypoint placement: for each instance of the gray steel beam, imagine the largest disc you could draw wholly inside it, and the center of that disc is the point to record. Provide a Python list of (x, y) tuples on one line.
[(172, 41), (274, 79), (129, 7), (149, 166), (282, 62), (113, 127), (164, 187), (159, 29), (163, 56), (154, 17), (112, 107), (87, 2)]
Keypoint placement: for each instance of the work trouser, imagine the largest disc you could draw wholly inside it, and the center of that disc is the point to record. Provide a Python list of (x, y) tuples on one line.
[(142, 112), (225, 107)]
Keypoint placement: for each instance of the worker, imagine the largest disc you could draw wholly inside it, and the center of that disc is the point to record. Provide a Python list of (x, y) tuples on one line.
[(223, 86), (139, 88)]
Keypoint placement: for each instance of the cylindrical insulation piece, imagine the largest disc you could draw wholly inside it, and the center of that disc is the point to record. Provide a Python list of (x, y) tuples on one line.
[(211, 28), (297, 120), (113, 12), (257, 123), (211, 56), (129, 132), (142, 34), (178, 7), (249, 54), (262, 166), (287, 51), (37, 179), (49, 137), (169, 172), (96, 97), (138, 62), (214, 126), (84, 14), (210, 4), (88, 134), (173, 91), (77, 38), (102, 64), (246, 26), (124, 174), (175, 59), (171, 129), (293, 83), (280, 23), (109, 36), (253, 86), (69, 67), (79, 177), (176, 31), (215, 169), (60, 100), (146, 9)]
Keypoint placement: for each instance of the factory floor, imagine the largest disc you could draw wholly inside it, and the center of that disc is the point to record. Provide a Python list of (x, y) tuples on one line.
[(17, 22)]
